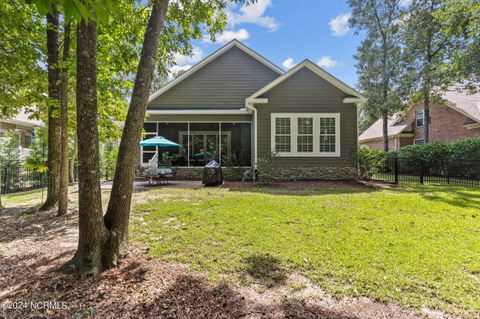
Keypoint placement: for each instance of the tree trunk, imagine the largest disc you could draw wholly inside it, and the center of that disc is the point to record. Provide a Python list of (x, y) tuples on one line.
[(385, 131), (426, 115), (63, 192), (54, 151), (118, 211), (71, 177), (91, 256)]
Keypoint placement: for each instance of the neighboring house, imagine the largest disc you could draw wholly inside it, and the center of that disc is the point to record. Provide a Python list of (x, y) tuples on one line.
[(456, 118), (23, 129), (235, 106)]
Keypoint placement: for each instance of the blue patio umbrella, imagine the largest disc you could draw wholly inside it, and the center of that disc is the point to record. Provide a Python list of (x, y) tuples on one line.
[(204, 153), (158, 141)]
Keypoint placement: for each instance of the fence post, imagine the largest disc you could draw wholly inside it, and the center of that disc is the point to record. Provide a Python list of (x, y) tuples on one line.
[(421, 170), (395, 169)]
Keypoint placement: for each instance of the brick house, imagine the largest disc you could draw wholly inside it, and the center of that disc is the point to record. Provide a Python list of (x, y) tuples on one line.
[(456, 119)]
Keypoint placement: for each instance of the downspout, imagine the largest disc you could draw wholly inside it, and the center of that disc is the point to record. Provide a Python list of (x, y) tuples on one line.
[(250, 106)]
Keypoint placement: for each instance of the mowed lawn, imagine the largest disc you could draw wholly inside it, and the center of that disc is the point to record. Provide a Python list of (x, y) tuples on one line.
[(417, 246)]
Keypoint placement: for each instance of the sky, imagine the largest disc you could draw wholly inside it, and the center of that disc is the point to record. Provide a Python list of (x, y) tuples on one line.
[(286, 32)]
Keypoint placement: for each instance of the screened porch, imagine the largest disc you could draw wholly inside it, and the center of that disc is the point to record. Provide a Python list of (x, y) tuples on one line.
[(229, 143)]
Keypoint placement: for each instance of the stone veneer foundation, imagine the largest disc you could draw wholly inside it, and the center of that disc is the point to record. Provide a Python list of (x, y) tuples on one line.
[(289, 174)]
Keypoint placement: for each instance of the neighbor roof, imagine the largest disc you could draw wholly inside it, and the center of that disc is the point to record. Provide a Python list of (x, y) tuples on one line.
[(467, 104), (23, 118), (211, 57), (315, 69), (396, 125)]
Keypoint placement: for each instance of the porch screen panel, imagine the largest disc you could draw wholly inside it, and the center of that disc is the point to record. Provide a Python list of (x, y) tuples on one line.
[(176, 156), (204, 143), (236, 144)]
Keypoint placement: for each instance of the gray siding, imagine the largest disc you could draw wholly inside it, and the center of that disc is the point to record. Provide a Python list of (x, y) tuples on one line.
[(306, 92), (224, 82)]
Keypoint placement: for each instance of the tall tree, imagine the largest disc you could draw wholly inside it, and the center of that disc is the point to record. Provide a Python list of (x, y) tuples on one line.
[(189, 16), (63, 181), (54, 127), (379, 58), (460, 20), (429, 47)]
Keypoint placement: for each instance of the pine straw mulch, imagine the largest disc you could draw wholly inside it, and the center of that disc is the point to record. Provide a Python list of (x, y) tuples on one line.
[(34, 246)]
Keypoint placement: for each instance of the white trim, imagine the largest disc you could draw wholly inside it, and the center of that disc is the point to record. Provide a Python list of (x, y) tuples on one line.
[(315, 69), (224, 121), (196, 112), (213, 56), (353, 100), (471, 126), (316, 134)]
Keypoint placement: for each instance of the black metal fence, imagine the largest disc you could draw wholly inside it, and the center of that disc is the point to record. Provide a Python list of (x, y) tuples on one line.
[(465, 172), (16, 179)]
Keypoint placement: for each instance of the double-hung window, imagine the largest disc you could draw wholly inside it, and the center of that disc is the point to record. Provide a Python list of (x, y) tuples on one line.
[(305, 134), (419, 118)]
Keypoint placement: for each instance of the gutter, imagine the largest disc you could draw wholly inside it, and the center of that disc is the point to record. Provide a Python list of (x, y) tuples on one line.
[(249, 105)]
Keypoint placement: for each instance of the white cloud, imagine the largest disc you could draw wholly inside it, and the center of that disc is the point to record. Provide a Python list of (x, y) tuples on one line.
[(327, 62), (228, 36), (339, 25), (405, 3), (177, 68), (196, 56), (288, 63), (253, 13)]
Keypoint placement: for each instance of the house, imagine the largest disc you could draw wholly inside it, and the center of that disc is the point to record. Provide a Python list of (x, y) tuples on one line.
[(23, 129), (455, 118), (235, 106)]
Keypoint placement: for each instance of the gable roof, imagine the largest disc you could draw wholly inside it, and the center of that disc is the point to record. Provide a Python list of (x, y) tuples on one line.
[(468, 105), (396, 125), (315, 69), (211, 57)]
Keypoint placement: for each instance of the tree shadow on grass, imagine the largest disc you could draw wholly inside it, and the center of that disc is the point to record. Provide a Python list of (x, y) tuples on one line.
[(265, 270), (301, 188), (451, 195)]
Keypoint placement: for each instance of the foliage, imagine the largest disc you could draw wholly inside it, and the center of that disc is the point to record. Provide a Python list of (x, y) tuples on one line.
[(22, 56), (37, 159), (408, 245), (10, 162), (267, 167), (440, 152), (370, 161), (381, 63), (460, 20), (108, 160)]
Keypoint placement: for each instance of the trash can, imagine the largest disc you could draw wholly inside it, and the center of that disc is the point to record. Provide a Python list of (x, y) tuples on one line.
[(212, 174)]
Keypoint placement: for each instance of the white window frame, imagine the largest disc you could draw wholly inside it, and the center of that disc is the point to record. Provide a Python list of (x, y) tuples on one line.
[(149, 152), (316, 134), (422, 117), (415, 141)]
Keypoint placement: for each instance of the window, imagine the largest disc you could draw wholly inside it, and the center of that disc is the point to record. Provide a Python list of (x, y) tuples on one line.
[(282, 135), (419, 141), (327, 134), (305, 134), (419, 118)]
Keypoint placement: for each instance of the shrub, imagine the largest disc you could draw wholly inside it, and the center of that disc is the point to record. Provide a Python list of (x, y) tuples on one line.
[(370, 161), (267, 167), (441, 152)]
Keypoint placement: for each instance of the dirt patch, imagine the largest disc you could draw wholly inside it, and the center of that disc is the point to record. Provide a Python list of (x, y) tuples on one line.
[(34, 246)]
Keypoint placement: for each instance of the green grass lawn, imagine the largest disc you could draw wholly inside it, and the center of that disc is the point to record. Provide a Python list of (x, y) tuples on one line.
[(418, 246)]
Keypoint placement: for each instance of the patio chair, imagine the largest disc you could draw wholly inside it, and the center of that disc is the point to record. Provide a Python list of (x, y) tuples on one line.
[(166, 173)]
